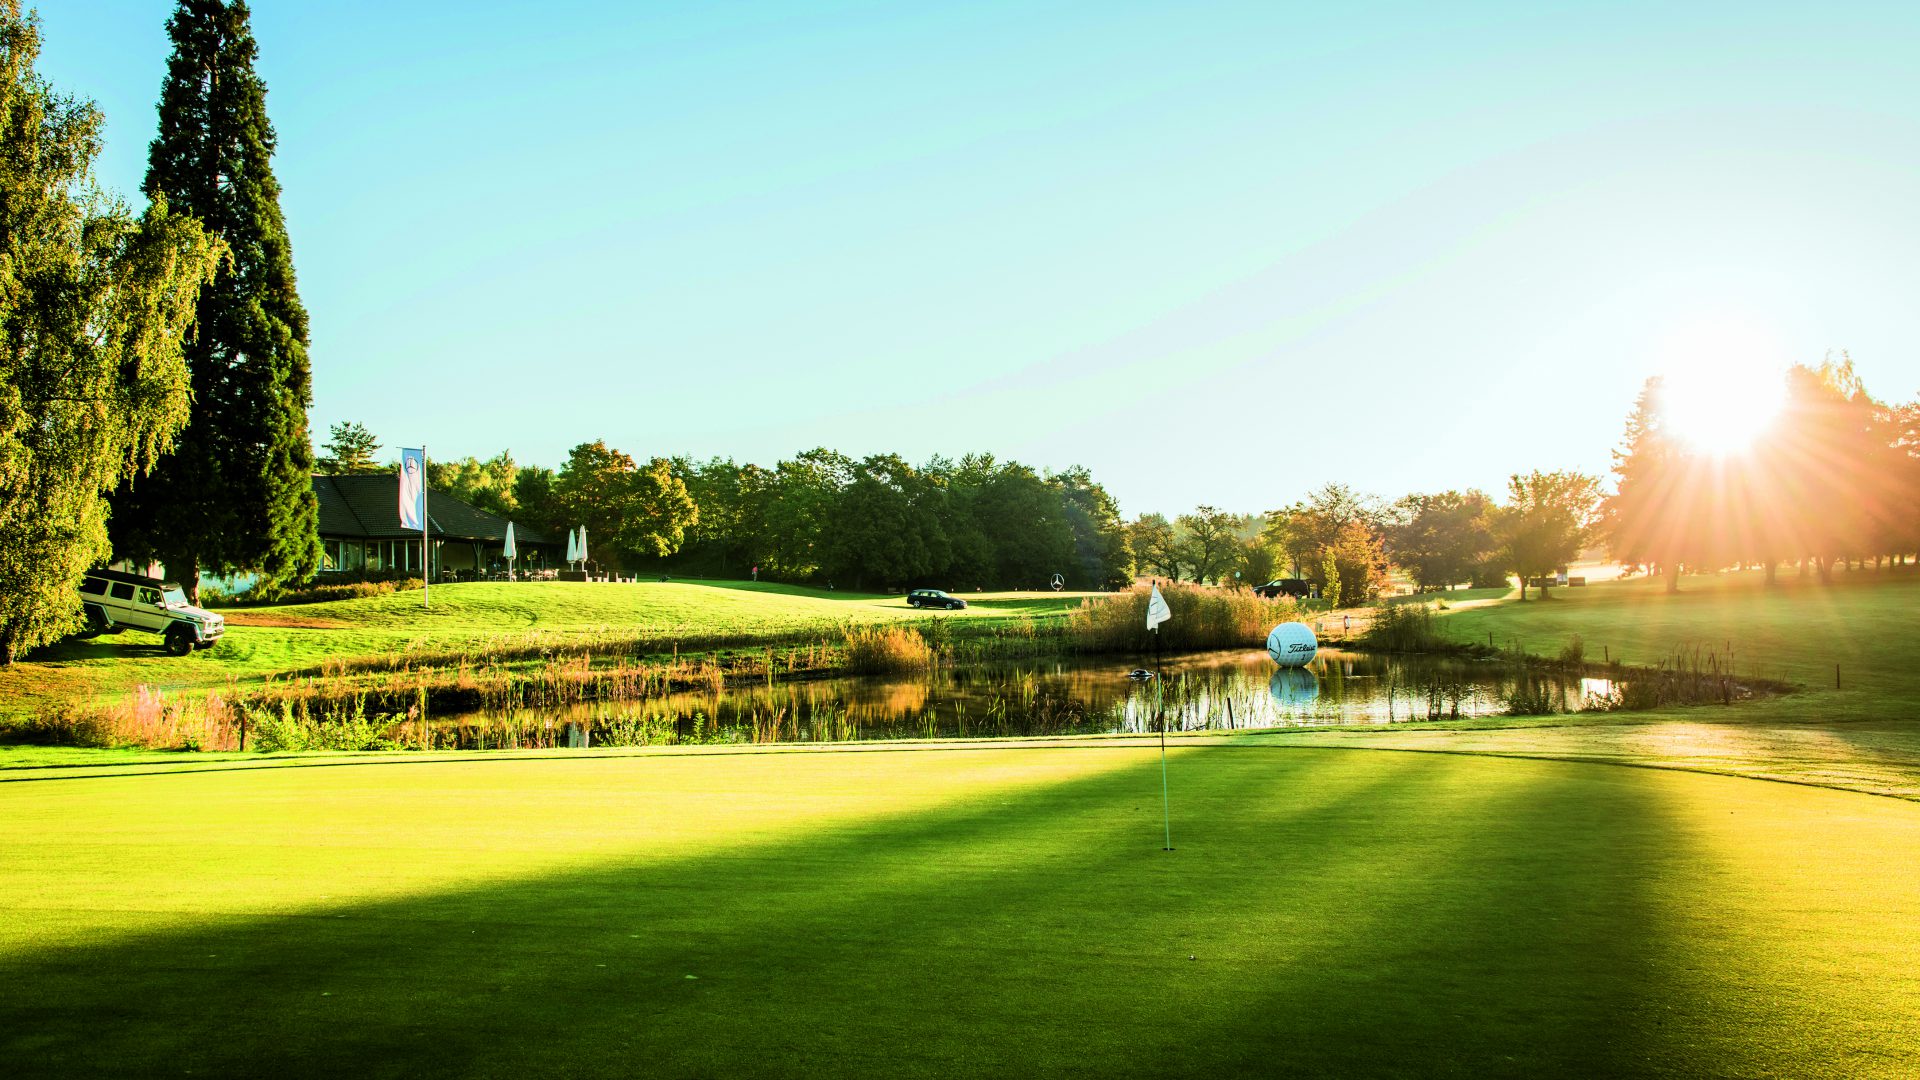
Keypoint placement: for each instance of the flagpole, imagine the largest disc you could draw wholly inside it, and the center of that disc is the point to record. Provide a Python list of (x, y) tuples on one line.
[(1160, 702), (426, 571)]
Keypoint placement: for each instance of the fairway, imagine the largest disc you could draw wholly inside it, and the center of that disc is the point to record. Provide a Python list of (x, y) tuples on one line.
[(942, 911)]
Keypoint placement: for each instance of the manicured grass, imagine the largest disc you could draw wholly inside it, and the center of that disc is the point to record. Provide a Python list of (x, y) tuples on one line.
[(279, 639), (1002, 912), (1867, 624), (1864, 736)]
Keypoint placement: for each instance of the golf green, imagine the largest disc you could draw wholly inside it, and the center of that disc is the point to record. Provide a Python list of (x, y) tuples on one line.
[(956, 911)]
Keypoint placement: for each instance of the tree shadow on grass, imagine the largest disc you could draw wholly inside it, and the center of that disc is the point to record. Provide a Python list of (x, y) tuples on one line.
[(1324, 914)]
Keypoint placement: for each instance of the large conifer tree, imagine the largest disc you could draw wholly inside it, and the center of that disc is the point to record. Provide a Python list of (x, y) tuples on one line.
[(236, 494)]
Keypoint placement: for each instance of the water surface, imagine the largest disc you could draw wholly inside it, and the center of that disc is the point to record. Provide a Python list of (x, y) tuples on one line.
[(1076, 695)]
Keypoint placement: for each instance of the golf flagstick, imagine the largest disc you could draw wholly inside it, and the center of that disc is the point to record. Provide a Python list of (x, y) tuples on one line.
[(1160, 707), (1157, 613)]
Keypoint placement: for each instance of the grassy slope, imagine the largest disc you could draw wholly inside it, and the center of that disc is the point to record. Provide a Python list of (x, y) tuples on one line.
[(262, 641), (1868, 624), (1865, 736), (985, 912)]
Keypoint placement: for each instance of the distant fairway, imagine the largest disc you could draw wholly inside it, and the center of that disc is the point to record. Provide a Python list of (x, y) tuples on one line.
[(958, 911), (1867, 624)]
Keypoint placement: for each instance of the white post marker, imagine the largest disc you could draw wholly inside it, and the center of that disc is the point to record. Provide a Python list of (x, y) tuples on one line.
[(426, 551), (1157, 613)]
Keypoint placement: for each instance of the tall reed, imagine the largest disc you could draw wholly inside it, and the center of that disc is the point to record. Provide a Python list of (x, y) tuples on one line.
[(1202, 618), (886, 650)]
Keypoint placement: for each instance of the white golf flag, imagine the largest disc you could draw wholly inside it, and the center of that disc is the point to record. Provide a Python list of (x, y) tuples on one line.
[(1157, 610)]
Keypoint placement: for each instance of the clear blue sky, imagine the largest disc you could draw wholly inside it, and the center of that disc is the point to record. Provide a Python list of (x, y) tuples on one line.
[(1218, 253)]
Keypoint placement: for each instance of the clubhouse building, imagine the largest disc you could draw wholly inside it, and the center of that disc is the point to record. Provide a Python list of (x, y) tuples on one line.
[(360, 532)]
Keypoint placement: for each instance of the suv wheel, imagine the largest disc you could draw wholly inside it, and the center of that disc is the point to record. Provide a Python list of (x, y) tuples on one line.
[(179, 641), (96, 623)]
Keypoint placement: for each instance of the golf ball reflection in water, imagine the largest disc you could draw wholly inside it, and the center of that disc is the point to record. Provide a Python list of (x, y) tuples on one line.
[(1294, 688)]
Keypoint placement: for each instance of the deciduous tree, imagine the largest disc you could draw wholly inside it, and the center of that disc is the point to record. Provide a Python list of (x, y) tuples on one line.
[(633, 510), (1546, 522), (883, 529), (1211, 539), (93, 306), (1156, 546), (1440, 539), (1102, 558), (487, 484)]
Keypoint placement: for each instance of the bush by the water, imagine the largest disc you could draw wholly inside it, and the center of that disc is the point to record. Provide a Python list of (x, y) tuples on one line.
[(291, 729), (147, 718), (1531, 697), (884, 650), (1405, 628), (1203, 618)]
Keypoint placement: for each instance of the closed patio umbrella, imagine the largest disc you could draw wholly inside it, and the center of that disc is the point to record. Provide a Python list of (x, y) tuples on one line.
[(507, 551)]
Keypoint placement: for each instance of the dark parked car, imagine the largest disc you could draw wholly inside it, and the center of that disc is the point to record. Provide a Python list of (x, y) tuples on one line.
[(934, 598), (1285, 586)]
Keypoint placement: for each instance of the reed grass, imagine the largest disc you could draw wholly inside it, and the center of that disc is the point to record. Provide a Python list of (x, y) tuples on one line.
[(885, 650), (1406, 628), (1203, 618)]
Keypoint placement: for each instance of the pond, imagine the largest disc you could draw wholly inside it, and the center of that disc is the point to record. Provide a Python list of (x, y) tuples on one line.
[(1073, 696)]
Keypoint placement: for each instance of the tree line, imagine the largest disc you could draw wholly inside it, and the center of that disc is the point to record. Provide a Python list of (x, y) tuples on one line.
[(1833, 480), (1345, 544), (977, 522), (870, 523)]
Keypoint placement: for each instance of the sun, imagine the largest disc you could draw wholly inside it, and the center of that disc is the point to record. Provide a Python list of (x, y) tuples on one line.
[(1721, 409)]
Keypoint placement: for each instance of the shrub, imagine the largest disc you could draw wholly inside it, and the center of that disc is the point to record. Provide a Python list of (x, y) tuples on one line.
[(1531, 697), (1574, 652), (148, 718), (289, 729), (63, 725), (938, 632), (1405, 628), (1330, 589), (882, 650)]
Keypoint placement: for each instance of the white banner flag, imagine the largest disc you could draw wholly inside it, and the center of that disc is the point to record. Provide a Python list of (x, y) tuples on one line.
[(413, 489), (1157, 610)]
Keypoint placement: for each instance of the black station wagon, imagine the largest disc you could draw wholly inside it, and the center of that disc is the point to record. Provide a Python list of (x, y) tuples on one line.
[(934, 598)]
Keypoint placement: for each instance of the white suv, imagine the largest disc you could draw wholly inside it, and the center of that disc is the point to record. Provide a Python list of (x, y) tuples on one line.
[(116, 601)]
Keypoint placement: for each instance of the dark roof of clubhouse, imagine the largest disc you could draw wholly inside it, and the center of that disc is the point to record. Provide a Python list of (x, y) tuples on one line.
[(366, 506)]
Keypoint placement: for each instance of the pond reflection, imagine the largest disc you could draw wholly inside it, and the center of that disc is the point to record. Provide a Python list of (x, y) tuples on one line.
[(1211, 691)]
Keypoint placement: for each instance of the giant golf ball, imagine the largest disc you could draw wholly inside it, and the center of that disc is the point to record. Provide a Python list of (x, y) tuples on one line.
[(1292, 644)]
